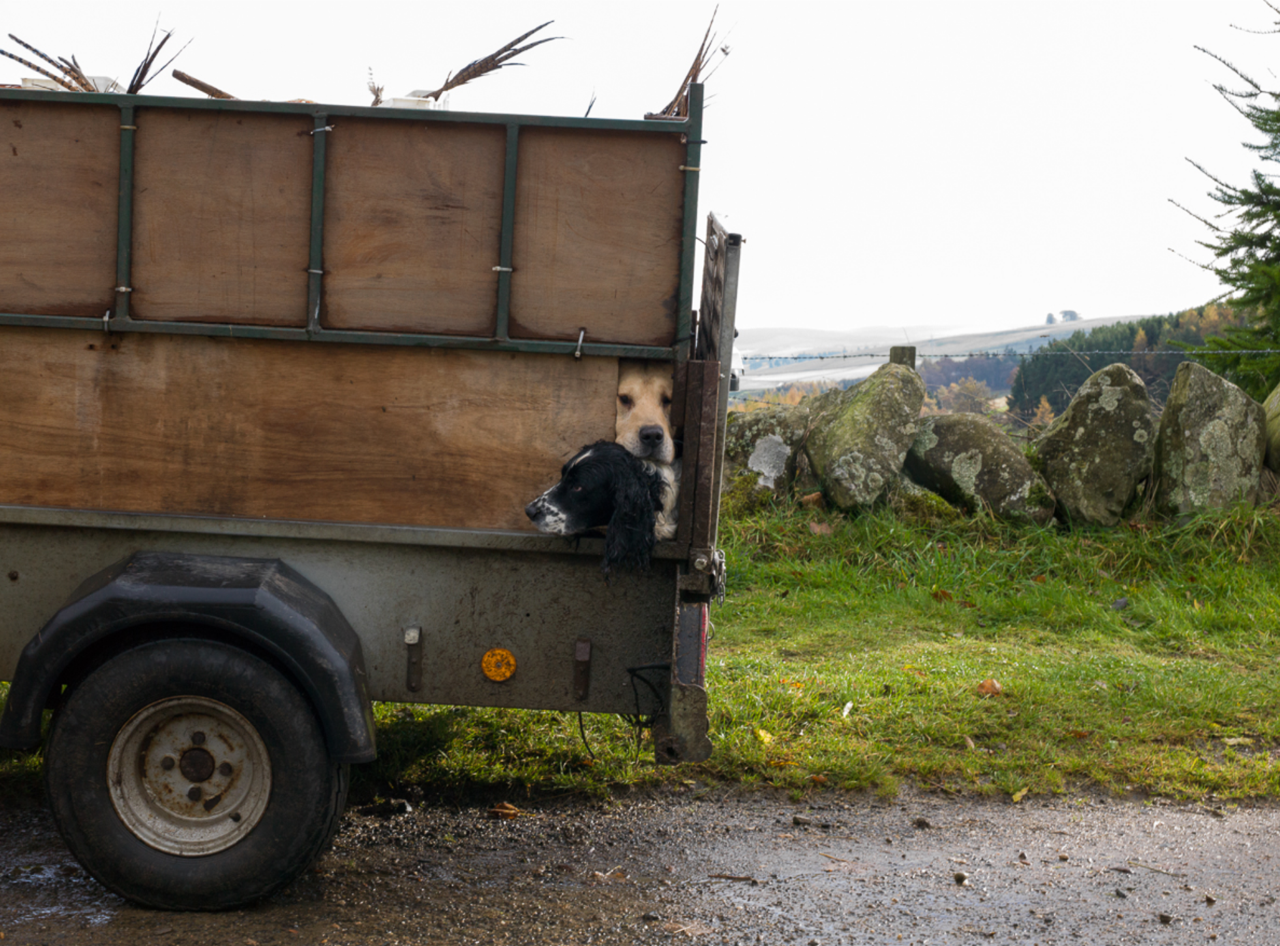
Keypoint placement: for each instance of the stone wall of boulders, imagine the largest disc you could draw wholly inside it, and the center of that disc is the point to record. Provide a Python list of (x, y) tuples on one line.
[(1107, 455)]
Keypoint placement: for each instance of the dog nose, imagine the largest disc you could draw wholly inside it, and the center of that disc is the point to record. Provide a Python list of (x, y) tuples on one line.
[(651, 436), (531, 510)]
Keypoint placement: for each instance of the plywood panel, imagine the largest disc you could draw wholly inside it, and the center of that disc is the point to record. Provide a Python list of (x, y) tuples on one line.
[(597, 236), (291, 430), (59, 192), (222, 216), (413, 217)]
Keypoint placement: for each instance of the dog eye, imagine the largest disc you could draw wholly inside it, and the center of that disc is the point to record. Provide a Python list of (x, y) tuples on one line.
[(624, 400), (666, 401)]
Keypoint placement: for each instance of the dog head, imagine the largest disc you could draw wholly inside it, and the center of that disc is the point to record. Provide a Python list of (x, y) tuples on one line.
[(643, 422), (604, 486)]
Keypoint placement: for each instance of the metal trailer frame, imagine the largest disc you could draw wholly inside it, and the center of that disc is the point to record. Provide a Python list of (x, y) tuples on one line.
[(647, 630)]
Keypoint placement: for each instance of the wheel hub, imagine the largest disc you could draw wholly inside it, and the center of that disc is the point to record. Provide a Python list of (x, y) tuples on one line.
[(189, 776)]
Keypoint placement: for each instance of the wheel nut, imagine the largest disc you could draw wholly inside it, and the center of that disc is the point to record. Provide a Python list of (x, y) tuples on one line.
[(224, 769), (167, 763), (195, 793), (197, 738)]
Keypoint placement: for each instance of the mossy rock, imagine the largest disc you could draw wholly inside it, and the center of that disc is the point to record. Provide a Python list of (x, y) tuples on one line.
[(860, 437), (766, 444), (1210, 444), (913, 503), (971, 462), (1094, 456), (743, 496), (1271, 407)]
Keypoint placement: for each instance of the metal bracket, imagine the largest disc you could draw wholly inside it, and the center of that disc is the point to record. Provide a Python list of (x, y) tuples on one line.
[(581, 668), (413, 670), (707, 574)]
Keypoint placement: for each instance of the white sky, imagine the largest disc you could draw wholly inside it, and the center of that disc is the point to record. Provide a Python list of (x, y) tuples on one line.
[(957, 164)]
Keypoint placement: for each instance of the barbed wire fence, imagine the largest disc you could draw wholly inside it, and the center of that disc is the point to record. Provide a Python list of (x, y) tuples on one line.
[(739, 397)]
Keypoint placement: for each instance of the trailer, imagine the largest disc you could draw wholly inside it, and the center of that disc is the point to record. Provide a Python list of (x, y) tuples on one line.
[(277, 381)]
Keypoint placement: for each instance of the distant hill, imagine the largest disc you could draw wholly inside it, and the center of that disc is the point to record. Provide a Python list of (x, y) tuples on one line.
[(841, 361)]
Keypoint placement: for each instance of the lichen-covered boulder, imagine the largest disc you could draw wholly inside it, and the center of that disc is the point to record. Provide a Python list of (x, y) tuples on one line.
[(860, 436), (764, 443), (1094, 456), (1271, 407), (970, 461), (1210, 444)]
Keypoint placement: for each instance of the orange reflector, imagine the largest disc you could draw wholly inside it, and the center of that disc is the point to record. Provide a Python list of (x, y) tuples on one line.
[(498, 664)]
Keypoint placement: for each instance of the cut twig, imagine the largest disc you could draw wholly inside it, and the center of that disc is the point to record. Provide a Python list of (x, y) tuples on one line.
[(76, 76), (210, 90), (44, 72), (490, 63)]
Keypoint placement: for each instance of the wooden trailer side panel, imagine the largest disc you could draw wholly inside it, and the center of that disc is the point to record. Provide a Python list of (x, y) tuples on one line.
[(60, 178), (597, 236), (222, 216), (413, 222), (290, 430)]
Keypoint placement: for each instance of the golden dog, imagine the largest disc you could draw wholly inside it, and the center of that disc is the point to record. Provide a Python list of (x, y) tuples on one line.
[(643, 427)]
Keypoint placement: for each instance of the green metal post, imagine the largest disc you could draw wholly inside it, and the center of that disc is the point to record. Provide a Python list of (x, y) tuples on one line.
[(124, 215), (688, 251), (502, 330), (315, 262)]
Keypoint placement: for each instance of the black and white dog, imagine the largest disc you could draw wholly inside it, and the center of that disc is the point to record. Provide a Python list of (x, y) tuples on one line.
[(605, 487)]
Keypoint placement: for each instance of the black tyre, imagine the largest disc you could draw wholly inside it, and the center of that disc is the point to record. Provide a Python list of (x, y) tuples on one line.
[(191, 775)]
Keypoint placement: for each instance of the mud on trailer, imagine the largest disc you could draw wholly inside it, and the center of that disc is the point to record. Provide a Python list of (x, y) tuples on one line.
[(276, 383)]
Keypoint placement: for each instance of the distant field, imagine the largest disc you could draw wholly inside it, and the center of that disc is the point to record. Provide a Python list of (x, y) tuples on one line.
[(799, 342)]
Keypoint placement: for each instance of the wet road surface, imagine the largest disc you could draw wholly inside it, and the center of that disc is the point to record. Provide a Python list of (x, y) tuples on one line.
[(716, 868)]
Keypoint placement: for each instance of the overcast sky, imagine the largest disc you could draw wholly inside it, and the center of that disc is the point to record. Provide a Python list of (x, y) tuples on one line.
[(955, 164)]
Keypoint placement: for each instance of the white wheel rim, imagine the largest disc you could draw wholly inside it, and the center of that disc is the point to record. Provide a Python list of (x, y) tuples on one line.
[(189, 776)]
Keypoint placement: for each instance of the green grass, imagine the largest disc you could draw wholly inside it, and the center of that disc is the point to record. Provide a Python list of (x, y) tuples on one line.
[(853, 658)]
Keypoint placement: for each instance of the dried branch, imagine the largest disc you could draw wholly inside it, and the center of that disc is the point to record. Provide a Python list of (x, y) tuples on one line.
[(375, 90), (44, 72), (212, 91), (85, 85), (490, 63)]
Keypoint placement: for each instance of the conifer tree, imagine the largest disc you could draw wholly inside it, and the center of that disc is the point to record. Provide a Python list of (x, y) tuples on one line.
[(1246, 247)]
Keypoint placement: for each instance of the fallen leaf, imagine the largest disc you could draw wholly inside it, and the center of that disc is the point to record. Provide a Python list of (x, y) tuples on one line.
[(813, 501), (940, 594), (820, 528), (1079, 733), (504, 810), (990, 687), (967, 604), (1039, 579), (1019, 795), (1119, 604), (968, 741), (845, 712), (818, 779), (764, 736), (1238, 741)]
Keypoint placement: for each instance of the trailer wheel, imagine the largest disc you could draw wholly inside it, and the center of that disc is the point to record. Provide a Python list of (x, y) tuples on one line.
[(191, 775)]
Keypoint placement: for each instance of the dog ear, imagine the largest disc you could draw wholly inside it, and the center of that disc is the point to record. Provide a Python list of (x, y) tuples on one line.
[(629, 540)]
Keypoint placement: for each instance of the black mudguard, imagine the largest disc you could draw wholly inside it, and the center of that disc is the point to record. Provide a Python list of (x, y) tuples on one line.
[(260, 603)]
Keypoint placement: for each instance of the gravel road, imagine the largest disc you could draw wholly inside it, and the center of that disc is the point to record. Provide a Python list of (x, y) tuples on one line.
[(712, 867)]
